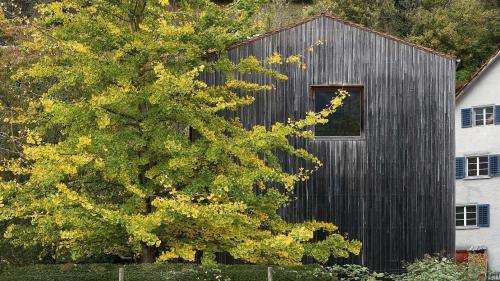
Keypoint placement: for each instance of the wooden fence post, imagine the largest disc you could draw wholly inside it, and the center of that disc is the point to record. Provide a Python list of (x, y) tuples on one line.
[(269, 273), (121, 274)]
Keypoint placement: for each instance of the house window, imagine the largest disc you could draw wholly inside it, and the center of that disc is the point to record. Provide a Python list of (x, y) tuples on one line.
[(483, 115), (477, 166), (466, 215), (347, 120)]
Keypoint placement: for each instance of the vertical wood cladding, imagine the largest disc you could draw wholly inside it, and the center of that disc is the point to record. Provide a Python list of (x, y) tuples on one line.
[(393, 188)]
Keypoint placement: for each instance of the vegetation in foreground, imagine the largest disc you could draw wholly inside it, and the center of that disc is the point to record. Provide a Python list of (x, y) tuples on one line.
[(429, 268)]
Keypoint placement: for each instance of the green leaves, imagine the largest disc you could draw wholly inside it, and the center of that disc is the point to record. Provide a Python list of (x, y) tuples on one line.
[(441, 268), (127, 148), (462, 28)]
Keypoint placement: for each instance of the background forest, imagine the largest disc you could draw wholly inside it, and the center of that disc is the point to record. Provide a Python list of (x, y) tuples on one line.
[(466, 29)]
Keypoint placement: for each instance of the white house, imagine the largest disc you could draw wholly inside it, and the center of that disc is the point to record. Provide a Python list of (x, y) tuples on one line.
[(477, 116)]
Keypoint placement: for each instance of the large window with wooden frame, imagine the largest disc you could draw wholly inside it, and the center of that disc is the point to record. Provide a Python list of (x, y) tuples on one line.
[(347, 121)]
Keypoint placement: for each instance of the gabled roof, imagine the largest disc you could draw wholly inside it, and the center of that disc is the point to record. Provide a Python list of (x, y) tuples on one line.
[(347, 22), (478, 73)]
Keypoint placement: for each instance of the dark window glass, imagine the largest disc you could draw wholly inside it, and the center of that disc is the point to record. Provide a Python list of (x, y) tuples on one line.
[(346, 121), (471, 208), (471, 222), (459, 216), (471, 216), (489, 115), (483, 166)]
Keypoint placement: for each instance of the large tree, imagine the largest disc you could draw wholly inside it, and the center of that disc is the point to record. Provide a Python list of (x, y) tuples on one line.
[(12, 98), (110, 164)]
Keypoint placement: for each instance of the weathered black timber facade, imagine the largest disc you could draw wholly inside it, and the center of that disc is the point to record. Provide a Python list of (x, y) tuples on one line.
[(393, 187)]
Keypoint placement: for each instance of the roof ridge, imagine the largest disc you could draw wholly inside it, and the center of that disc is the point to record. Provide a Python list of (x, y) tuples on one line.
[(276, 30), (478, 73), (348, 22)]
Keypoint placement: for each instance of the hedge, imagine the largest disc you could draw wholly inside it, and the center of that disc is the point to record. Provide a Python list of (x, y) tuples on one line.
[(427, 269), (168, 272)]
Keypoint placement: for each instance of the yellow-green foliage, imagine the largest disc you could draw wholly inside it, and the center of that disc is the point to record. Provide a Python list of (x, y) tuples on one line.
[(108, 165)]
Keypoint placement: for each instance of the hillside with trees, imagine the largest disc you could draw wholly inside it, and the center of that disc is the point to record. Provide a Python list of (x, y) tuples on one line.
[(466, 29)]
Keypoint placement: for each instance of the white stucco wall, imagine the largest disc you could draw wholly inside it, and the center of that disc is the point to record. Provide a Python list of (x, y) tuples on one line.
[(480, 140)]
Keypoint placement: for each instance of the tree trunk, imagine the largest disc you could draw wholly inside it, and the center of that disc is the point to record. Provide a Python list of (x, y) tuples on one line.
[(136, 13), (148, 254)]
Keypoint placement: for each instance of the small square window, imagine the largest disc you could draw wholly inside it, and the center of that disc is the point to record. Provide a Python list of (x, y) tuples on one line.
[(347, 120), (466, 215), (477, 166), (484, 115)]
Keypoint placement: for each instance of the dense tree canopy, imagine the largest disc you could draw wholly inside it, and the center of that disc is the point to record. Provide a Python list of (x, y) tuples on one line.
[(109, 164), (466, 29)]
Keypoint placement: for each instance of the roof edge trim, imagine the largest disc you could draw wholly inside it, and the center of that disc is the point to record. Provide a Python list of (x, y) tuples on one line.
[(477, 74)]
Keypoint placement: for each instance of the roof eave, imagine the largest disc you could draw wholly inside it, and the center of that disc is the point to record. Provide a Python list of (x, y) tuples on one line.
[(463, 89)]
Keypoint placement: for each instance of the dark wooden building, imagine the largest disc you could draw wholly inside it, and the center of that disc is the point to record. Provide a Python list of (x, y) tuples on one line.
[(388, 173)]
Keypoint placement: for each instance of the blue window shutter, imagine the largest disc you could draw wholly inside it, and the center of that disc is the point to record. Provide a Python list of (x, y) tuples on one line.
[(494, 165), (460, 167), (483, 215), (497, 114), (466, 117)]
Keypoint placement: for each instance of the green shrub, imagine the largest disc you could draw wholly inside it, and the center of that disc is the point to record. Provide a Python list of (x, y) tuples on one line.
[(439, 269), (353, 272)]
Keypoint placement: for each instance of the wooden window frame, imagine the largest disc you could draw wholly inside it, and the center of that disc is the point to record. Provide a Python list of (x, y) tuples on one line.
[(361, 89), (477, 167), (483, 108), (465, 216)]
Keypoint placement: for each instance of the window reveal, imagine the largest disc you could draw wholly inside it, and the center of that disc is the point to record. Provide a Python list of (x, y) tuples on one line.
[(347, 120)]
